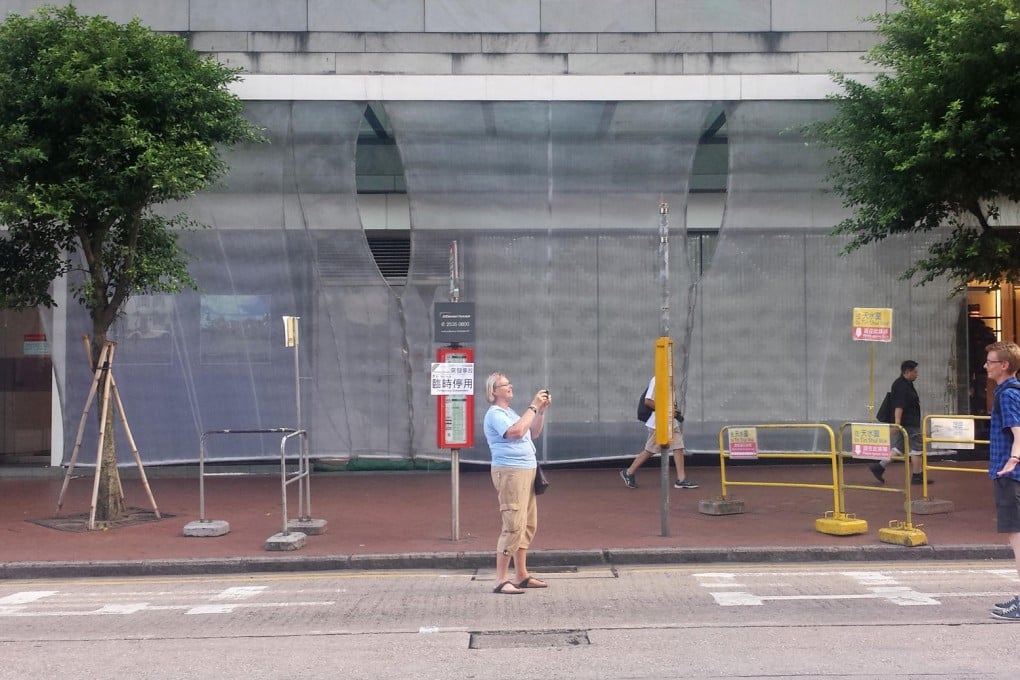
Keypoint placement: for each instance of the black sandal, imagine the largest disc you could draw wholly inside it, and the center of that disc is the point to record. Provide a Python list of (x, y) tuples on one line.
[(499, 589)]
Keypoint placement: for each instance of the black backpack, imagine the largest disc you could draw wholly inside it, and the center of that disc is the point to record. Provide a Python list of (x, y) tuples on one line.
[(643, 412), (885, 411)]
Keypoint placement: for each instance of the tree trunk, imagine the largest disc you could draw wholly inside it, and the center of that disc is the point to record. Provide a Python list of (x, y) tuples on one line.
[(110, 502)]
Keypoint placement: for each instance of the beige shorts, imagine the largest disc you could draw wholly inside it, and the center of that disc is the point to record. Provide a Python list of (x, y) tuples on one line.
[(676, 443), (518, 509)]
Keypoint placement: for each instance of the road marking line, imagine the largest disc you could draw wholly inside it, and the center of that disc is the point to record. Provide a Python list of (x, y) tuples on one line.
[(239, 593), (718, 580), (873, 578), (903, 597), (212, 609), (737, 599), (18, 612), (230, 608), (122, 608), (26, 596)]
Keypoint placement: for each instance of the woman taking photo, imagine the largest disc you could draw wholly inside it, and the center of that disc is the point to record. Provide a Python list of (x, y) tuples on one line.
[(513, 474)]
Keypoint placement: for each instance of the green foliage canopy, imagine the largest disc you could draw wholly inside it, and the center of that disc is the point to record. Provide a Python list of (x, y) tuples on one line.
[(932, 143), (99, 122)]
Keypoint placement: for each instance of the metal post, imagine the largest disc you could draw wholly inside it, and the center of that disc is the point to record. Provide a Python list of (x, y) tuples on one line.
[(283, 486), (455, 494), (454, 453), (201, 479), (304, 502), (308, 476), (664, 332), (292, 337)]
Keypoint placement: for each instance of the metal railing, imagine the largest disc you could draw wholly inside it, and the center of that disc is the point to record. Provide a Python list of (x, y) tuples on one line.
[(836, 516), (829, 455), (301, 475), (927, 439)]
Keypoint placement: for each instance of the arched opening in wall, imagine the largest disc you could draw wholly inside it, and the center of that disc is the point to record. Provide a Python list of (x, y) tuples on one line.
[(382, 195), (709, 173)]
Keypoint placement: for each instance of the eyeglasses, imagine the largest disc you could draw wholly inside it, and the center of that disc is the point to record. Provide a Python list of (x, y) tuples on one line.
[(496, 387), (996, 361)]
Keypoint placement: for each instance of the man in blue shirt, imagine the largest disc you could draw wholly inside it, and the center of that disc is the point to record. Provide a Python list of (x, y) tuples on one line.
[(1002, 362)]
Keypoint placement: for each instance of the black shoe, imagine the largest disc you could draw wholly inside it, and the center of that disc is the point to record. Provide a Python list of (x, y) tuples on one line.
[(878, 471), (628, 479), (916, 478)]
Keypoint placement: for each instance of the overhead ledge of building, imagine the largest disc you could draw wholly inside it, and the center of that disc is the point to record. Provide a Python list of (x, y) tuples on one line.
[(774, 87)]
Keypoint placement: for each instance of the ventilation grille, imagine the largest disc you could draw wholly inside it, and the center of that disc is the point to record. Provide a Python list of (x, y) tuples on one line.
[(392, 253), (342, 259)]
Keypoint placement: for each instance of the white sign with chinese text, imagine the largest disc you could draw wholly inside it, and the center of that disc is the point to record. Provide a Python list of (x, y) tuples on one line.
[(961, 431), (453, 379)]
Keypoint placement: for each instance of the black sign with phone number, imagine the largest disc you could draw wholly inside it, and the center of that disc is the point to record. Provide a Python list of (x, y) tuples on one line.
[(454, 322)]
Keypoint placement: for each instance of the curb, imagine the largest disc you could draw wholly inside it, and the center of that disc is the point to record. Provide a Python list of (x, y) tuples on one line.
[(484, 560)]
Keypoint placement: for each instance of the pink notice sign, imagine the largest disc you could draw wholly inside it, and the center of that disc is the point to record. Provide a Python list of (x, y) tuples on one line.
[(743, 442)]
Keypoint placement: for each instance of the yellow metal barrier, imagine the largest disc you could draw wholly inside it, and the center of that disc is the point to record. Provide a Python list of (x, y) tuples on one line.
[(836, 522), (945, 436), (897, 532)]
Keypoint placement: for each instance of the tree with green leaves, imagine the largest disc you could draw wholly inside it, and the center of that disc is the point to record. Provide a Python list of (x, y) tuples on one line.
[(99, 123), (932, 144)]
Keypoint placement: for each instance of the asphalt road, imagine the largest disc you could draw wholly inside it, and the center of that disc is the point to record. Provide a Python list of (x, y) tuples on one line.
[(831, 620)]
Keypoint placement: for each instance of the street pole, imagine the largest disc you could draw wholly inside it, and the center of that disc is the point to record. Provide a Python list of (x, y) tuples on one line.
[(455, 452), (664, 333)]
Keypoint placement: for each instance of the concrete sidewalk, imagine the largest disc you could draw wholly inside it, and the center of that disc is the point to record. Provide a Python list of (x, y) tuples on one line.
[(404, 520)]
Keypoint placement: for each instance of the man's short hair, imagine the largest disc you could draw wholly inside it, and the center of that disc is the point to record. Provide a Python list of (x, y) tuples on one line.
[(1008, 352), (908, 365)]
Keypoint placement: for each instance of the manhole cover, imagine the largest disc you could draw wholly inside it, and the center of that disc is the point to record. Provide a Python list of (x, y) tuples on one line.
[(514, 639)]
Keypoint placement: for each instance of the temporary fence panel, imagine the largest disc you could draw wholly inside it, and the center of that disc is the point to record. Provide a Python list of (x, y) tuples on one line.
[(554, 206)]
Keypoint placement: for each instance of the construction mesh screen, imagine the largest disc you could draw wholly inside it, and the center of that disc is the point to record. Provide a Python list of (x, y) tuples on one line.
[(555, 210)]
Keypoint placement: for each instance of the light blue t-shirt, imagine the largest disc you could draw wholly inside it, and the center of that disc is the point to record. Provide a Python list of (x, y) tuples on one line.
[(515, 453)]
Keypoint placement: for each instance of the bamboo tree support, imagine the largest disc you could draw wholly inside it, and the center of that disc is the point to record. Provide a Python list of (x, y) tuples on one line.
[(105, 366)]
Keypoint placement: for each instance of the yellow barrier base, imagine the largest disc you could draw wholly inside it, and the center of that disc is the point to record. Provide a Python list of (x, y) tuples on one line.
[(898, 533), (840, 525)]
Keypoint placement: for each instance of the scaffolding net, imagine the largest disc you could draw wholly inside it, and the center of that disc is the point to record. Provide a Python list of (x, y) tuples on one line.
[(555, 210)]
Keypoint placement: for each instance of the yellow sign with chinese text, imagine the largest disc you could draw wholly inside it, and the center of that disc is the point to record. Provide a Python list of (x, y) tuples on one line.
[(870, 440), (872, 324), (743, 442)]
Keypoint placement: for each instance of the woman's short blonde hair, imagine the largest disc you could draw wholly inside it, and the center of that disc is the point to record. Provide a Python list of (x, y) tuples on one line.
[(489, 382)]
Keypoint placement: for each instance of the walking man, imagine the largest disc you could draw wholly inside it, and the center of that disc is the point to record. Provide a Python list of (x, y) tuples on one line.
[(1002, 362), (650, 448), (906, 406)]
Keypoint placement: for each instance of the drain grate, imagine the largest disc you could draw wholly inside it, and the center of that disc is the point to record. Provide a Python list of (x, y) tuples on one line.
[(528, 638)]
